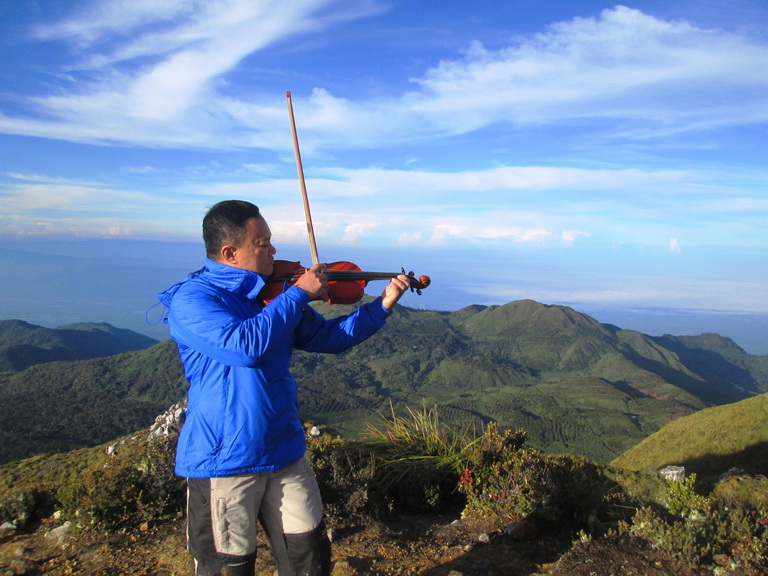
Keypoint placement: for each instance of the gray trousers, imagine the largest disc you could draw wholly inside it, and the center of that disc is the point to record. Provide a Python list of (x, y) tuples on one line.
[(222, 517)]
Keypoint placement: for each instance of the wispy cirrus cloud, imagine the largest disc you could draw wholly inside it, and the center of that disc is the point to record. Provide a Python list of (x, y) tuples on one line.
[(623, 65), (155, 74), (522, 205)]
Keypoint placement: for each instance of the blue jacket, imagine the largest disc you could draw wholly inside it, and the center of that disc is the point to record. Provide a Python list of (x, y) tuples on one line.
[(242, 410)]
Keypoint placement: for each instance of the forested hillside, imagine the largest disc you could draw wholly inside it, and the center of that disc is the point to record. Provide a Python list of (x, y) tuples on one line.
[(575, 385), (23, 345), (61, 406)]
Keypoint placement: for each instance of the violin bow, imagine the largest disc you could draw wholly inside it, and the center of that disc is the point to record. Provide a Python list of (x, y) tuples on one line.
[(305, 198), (423, 280)]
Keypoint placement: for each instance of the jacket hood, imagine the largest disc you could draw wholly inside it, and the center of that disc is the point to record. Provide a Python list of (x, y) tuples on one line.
[(236, 280)]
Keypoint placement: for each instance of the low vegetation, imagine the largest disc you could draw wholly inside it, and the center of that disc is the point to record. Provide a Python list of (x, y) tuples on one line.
[(413, 463), (708, 442)]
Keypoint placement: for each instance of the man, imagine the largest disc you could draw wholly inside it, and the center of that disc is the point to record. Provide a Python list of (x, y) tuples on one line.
[(242, 446)]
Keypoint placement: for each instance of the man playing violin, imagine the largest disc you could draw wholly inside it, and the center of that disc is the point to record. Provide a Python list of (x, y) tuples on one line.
[(242, 446)]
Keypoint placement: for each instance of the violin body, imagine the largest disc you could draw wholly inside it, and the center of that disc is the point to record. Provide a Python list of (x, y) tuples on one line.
[(346, 281)]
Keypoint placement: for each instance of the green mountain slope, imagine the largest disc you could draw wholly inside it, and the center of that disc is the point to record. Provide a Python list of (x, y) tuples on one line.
[(23, 345), (61, 406), (574, 384), (708, 442)]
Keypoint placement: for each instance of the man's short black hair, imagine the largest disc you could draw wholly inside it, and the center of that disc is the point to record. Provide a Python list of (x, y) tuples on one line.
[(225, 224)]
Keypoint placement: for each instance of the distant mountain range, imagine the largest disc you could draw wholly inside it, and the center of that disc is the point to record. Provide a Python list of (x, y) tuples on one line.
[(23, 345), (79, 385), (575, 385)]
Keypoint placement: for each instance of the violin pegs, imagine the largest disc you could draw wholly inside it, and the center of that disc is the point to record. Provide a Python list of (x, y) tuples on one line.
[(412, 276)]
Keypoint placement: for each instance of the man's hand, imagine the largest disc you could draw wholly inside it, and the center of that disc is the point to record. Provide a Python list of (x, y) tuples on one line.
[(394, 290), (314, 283)]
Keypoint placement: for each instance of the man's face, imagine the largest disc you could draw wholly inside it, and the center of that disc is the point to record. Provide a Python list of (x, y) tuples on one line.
[(256, 252)]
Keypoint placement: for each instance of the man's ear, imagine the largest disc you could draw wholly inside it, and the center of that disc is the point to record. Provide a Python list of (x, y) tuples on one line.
[(228, 254)]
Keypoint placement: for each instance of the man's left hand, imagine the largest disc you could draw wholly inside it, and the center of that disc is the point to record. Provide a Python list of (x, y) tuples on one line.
[(394, 290)]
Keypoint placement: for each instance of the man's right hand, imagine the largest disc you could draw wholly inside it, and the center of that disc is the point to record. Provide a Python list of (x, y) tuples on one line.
[(314, 283)]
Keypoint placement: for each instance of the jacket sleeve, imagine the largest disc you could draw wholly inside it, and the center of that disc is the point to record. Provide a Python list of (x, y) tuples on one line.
[(234, 333), (316, 334)]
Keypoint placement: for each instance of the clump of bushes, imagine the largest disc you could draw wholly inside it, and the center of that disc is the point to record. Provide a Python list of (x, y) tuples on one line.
[(128, 491), (726, 530), (406, 464), (413, 463), (418, 460), (345, 475), (98, 494), (495, 475), (19, 508), (504, 478)]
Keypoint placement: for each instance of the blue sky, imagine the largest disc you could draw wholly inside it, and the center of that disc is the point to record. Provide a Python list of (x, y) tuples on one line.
[(577, 152)]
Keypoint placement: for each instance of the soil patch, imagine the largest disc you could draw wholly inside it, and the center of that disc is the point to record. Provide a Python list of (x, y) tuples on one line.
[(402, 545)]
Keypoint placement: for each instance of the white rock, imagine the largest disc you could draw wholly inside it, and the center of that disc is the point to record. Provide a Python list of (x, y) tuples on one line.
[(60, 532)]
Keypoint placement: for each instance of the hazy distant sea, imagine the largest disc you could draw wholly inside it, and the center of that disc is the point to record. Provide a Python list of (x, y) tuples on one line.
[(116, 281), (748, 330)]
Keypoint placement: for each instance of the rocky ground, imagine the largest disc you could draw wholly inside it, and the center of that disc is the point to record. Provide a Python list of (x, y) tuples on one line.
[(434, 546)]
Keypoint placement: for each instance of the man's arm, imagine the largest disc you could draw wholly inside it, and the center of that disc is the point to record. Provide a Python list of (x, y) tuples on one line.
[(315, 334), (202, 320)]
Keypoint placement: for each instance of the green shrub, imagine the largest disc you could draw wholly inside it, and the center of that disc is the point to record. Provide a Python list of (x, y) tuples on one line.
[(726, 534), (126, 492), (18, 508), (503, 478), (106, 499), (344, 474), (409, 464), (418, 461), (735, 491), (683, 500)]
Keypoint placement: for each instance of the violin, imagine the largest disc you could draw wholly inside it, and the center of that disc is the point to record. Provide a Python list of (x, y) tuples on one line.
[(346, 281)]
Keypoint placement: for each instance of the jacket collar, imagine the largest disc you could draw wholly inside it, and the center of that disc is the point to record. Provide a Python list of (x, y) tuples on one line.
[(243, 282)]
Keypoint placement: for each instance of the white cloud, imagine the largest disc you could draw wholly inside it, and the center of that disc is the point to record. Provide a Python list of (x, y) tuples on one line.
[(624, 65), (144, 170), (496, 228), (674, 245), (681, 291), (155, 73), (117, 231), (354, 231), (376, 207), (151, 65), (410, 239), (370, 181), (42, 205), (570, 236)]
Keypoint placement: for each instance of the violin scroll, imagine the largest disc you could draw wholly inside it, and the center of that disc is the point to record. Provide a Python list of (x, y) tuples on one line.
[(417, 285)]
